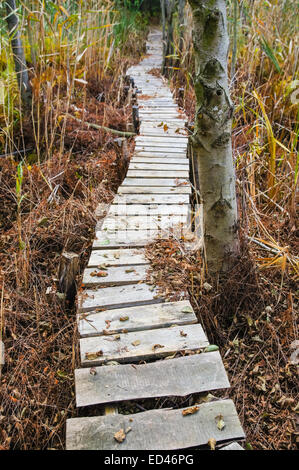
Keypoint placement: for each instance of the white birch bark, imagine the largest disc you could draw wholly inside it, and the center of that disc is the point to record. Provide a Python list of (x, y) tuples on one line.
[(17, 50), (211, 140)]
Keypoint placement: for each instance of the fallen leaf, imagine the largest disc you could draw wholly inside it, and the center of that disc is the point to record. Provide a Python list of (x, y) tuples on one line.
[(220, 422), (157, 346), (104, 242), (182, 333), (103, 266), (92, 356), (130, 270), (120, 436), (101, 274), (212, 443), (123, 318), (136, 343), (207, 287), (190, 411), (211, 348)]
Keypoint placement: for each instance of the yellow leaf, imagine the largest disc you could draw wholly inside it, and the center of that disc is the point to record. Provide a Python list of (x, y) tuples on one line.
[(190, 411), (120, 436), (212, 443)]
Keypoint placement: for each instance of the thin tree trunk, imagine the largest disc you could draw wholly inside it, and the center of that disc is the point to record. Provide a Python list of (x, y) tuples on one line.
[(169, 50), (18, 51), (181, 17), (212, 135), (234, 50), (162, 2)]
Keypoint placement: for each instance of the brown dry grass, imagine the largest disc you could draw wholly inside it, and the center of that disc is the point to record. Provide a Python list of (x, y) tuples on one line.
[(253, 321), (41, 347)]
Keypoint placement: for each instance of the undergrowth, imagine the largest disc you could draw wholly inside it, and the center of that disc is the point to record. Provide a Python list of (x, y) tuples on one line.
[(253, 322), (57, 169)]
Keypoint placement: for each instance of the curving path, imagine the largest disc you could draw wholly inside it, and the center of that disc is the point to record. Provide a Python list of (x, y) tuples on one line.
[(126, 329)]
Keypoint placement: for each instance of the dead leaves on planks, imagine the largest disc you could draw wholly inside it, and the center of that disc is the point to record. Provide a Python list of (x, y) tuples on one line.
[(120, 435)]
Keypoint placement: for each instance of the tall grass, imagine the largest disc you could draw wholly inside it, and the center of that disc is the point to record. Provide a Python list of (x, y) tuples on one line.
[(68, 45), (76, 58)]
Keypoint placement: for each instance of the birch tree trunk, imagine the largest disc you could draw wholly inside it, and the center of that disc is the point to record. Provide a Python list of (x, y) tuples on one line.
[(18, 51), (163, 14), (181, 17), (211, 140), (169, 49)]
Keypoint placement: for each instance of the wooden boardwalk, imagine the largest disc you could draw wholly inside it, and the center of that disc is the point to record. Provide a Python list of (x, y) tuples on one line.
[(127, 330)]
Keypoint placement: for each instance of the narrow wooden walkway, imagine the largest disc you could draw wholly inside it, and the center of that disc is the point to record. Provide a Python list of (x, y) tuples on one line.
[(126, 328)]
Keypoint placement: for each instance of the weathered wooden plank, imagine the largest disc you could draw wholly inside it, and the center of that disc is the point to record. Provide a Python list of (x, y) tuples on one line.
[(145, 83), (122, 257), (151, 144), (156, 103), (152, 199), (181, 163), (160, 124), (170, 173), (157, 132), (154, 92), (158, 110), (171, 121), (142, 345), (156, 429), (167, 120), (123, 239), (117, 297), (166, 106), (152, 132), (176, 130), (160, 149), (232, 446), (165, 115), (159, 166), (162, 143), (143, 317), (149, 209), (178, 140), (156, 115), (174, 182), (143, 222), (151, 89), (162, 109), (186, 189), (114, 276), (175, 377), (164, 154), (178, 158)]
